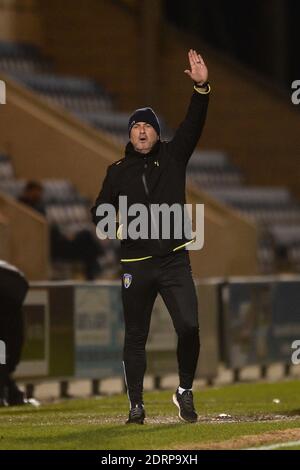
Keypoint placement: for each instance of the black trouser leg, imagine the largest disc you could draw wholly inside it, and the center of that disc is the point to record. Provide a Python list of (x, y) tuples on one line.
[(138, 300), (177, 289), (171, 276), (11, 332)]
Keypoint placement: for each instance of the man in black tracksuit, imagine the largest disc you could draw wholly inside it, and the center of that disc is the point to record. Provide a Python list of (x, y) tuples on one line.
[(154, 172)]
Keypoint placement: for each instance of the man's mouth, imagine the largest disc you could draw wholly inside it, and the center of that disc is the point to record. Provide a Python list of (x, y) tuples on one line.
[(143, 138)]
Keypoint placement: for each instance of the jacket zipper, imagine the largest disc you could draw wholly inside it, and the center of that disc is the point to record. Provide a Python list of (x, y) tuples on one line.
[(147, 194)]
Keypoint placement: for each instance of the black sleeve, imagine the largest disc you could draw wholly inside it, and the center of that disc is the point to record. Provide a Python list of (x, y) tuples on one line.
[(107, 195), (188, 133)]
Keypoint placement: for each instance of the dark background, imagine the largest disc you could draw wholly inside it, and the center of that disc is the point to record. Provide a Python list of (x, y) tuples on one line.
[(261, 34)]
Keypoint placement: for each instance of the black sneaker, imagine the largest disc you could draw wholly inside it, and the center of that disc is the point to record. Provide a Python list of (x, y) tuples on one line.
[(185, 404), (14, 396), (136, 414), (2, 399)]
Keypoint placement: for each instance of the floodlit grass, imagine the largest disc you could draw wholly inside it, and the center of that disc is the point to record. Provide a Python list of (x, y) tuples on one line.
[(99, 423)]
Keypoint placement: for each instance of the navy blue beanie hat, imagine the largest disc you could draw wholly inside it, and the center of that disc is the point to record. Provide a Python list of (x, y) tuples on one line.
[(144, 115)]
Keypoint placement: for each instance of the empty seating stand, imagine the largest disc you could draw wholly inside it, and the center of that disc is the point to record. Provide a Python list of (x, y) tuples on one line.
[(76, 94), (213, 169), (83, 97), (22, 58), (278, 215), (272, 208)]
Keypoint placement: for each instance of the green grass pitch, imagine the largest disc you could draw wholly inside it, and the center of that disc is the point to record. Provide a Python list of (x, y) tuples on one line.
[(253, 419)]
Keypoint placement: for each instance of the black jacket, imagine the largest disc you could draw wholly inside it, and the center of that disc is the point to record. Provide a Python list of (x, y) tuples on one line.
[(155, 178)]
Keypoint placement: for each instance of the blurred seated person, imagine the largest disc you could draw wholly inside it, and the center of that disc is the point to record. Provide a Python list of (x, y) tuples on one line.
[(81, 246)]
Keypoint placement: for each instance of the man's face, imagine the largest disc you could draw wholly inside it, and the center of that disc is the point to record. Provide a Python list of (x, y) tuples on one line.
[(143, 136)]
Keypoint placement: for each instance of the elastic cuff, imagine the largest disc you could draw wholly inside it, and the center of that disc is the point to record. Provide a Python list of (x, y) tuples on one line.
[(119, 232), (201, 90)]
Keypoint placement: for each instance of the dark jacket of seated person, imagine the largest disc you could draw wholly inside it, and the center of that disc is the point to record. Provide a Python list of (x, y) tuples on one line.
[(82, 246)]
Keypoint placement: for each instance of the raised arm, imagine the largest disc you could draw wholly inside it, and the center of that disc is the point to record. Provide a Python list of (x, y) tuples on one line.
[(188, 133)]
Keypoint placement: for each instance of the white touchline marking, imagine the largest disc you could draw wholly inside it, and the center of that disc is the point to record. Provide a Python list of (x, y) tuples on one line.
[(275, 446)]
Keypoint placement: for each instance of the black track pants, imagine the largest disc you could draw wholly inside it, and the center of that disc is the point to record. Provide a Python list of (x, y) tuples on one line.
[(11, 332), (170, 276)]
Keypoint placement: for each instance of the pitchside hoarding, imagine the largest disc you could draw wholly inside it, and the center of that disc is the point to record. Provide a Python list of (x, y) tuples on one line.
[(77, 330), (74, 328), (261, 319), (98, 321), (49, 332), (285, 319), (35, 356)]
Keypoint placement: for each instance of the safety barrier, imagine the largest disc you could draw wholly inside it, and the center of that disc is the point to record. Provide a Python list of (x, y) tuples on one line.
[(75, 330), (260, 321)]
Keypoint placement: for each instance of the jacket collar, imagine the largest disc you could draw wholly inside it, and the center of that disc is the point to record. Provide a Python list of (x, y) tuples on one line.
[(130, 152)]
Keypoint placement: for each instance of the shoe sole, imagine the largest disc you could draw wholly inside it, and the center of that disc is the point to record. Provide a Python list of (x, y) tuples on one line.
[(175, 401), (138, 421), (135, 422)]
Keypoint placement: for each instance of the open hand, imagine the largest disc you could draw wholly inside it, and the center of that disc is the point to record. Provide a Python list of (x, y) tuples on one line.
[(198, 72)]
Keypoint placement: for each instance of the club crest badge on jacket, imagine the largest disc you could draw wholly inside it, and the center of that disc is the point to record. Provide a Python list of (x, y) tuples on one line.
[(127, 278)]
